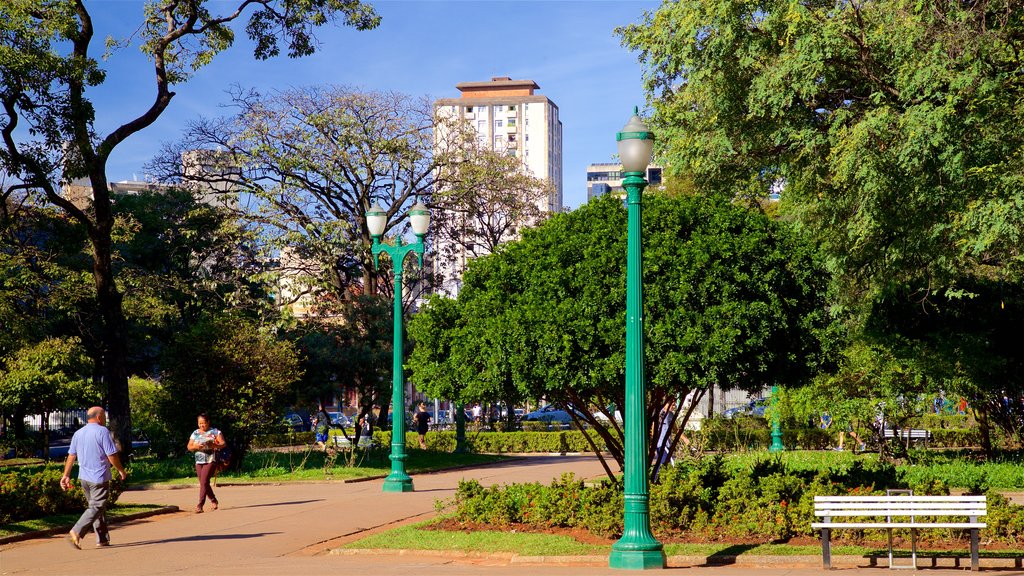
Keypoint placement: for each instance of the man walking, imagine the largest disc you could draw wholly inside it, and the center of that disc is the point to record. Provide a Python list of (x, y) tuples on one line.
[(95, 451)]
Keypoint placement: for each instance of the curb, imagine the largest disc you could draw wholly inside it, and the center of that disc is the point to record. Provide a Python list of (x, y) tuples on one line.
[(685, 561), (110, 520)]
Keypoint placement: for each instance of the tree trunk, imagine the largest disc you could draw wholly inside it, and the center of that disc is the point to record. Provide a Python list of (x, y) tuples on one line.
[(981, 412), (113, 343)]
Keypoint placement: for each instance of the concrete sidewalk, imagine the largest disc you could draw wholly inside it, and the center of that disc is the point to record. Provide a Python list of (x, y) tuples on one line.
[(292, 529)]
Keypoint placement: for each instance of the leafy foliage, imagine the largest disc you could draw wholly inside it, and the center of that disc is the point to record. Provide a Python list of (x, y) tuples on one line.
[(892, 130), (734, 300), (234, 371), (48, 72)]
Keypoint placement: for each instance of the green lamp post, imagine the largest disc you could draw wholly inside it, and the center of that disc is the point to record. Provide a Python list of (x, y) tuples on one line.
[(637, 549), (376, 221), (777, 445)]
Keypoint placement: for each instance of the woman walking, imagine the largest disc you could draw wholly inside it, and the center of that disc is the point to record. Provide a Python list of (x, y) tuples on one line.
[(422, 419), (205, 442)]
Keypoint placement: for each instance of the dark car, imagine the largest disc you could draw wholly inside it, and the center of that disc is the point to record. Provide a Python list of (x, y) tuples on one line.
[(294, 422)]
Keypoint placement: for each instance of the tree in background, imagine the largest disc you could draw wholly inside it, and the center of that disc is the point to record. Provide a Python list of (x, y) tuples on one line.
[(43, 286), (487, 200), (47, 73), (351, 352), (47, 376), (893, 127), (315, 159), (177, 258), (732, 299), (893, 130), (234, 370)]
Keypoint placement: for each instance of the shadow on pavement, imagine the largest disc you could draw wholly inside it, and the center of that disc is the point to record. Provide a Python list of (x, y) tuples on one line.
[(292, 503), (728, 555), (198, 538)]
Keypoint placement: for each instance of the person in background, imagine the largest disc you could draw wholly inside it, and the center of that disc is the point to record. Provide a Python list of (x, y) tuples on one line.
[(849, 430), (205, 442), (322, 426), (95, 451), (422, 419)]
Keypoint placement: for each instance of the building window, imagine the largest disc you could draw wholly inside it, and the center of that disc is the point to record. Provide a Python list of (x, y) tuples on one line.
[(527, 137), (511, 122), (497, 123), (469, 109), (499, 108), (481, 124), (512, 108)]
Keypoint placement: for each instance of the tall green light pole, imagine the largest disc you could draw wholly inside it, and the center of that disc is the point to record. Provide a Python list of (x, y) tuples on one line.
[(376, 220), (637, 549), (777, 445)]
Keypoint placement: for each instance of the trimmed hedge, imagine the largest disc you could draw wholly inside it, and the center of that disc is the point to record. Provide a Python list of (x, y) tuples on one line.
[(766, 501), (501, 442), (24, 496)]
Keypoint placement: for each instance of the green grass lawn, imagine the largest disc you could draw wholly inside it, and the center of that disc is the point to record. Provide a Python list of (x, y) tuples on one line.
[(419, 537), (68, 520)]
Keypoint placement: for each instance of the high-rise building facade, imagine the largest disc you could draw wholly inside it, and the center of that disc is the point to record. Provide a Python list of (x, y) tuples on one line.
[(509, 117), (606, 178)]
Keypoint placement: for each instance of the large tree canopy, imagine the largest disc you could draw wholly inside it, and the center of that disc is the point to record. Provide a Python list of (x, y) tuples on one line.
[(315, 159), (894, 127), (732, 299), (48, 71)]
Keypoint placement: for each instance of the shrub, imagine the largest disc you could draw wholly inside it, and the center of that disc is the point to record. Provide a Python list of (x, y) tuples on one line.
[(25, 495), (766, 500)]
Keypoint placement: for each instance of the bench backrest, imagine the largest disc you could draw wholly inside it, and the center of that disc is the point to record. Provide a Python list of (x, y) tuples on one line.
[(903, 433), (900, 506)]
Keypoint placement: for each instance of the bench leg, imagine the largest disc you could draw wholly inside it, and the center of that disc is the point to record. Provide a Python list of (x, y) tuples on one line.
[(974, 549), (826, 548)]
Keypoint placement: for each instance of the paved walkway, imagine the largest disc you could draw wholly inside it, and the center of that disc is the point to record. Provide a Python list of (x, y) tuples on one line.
[(291, 528)]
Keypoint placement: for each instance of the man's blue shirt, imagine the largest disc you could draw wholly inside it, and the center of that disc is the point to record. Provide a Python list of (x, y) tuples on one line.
[(91, 445)]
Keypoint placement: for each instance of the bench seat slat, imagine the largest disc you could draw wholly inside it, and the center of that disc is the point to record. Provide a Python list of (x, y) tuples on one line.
[(965, 498), (835, 525), (900, 512)]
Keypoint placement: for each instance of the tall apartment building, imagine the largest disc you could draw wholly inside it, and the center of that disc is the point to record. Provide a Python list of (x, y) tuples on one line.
[(509, 116), (606, 178)]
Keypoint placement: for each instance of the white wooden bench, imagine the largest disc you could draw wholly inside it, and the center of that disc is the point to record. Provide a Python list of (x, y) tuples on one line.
[(343, 443), (907, 434), (893, 512)]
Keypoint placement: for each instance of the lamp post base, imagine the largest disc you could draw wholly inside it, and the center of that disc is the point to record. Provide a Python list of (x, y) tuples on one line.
[(395, 483), (637, 559)]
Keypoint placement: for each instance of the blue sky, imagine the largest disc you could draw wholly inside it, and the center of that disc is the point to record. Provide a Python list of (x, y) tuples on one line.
[(421, 48)]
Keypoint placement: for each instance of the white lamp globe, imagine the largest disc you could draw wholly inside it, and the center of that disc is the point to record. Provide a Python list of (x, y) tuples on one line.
[(636, 144), (376, 220), (419, 216)]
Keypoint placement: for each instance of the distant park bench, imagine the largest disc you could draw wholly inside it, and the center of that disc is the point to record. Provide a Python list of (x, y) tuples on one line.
[(343, 443), (907, 434), (889, 512)]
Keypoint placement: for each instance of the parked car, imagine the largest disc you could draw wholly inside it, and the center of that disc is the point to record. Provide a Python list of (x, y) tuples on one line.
[(339, 420), (294, 422), (753, 408), (550, 413), (600, 417)]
